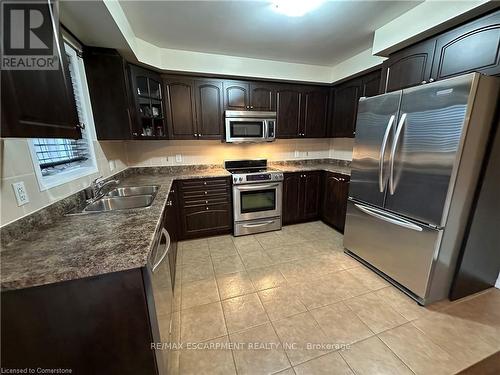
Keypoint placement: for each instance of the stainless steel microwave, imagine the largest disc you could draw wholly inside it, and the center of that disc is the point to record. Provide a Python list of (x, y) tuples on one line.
[(250, 126)]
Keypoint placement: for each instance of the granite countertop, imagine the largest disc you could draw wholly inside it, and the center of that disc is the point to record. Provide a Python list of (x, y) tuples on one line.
[(78, 246), (315, 167), (81, 246)]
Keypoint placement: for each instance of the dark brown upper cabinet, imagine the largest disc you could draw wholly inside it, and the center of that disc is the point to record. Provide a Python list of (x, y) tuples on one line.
[(180, 107), (473, 47), (110, 95), (345, 107), (262, 96), (209, 109), (148, 100), (289, 102), (371, 83), (408, 67), (315, 112), (345, 98), (236, 95), (39, 103)]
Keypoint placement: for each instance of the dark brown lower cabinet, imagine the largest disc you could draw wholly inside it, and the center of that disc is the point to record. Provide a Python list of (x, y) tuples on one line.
[(334, 205), (205, 207), (301, 196), (95, 325)]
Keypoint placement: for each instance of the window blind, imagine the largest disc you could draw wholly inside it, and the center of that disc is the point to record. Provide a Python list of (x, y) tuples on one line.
[(56, 154)]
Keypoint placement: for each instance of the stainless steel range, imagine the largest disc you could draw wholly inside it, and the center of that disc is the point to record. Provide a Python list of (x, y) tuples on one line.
[(257, 196)]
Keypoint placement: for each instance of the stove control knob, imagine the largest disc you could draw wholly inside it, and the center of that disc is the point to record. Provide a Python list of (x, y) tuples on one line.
[(235, 179), (241, 179)]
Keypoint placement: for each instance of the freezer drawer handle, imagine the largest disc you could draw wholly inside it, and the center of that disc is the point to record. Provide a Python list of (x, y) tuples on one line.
[(401, 124), (382, 153), (392, 220)]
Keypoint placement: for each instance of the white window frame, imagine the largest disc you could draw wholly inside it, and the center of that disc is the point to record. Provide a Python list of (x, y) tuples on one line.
[(72, 173)]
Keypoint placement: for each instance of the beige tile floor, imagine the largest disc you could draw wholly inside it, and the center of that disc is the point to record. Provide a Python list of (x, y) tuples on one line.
[(293, 287)]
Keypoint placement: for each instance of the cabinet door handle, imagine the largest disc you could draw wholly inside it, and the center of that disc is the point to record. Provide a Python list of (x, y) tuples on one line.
[(423, 82), (431, 79), (251, 107)]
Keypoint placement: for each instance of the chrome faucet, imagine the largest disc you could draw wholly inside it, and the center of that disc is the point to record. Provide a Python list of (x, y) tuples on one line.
[(98, 186)]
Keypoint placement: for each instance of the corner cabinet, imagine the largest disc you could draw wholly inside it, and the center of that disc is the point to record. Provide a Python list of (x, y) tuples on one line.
[(345, 97), (39, 103), (334, 205), (109, 89)]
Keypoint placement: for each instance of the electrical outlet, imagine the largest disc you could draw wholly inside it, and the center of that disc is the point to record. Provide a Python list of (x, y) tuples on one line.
[(112, 165), (178, 158), (296, 154), (21, 193)]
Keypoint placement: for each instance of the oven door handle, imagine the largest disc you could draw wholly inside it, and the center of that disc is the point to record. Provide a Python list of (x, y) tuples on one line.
[(256, 187), (260, 224)]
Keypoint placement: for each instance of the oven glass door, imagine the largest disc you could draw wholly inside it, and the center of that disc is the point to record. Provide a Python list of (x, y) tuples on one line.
[(257, 201)]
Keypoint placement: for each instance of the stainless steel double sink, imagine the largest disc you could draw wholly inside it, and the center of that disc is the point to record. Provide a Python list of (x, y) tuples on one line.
[(124, 198)]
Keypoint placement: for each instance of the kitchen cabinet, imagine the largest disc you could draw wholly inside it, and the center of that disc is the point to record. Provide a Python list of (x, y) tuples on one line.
[(109, 88), (180, 107), (209, 109), (205, 207), (345, 107), (236, 95), (344, 103), (149, 109), (194, 108), (334, 202), (262, 96), (289, 101), (474, 46), (315, 113), (82, 324), (244, 96), (301, 196), (39, 103), (302, 111), (408, 67)]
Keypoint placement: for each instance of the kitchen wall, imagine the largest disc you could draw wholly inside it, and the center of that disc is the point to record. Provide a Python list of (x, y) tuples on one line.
[(16, 165), (155, 153)]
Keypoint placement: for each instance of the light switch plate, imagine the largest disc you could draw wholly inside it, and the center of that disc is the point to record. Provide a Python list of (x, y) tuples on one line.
[(296, 154), (21, 193), (178, 158), (112, 165)]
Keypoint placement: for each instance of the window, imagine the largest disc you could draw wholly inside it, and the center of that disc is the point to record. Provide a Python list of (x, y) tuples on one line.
[(56, 160)]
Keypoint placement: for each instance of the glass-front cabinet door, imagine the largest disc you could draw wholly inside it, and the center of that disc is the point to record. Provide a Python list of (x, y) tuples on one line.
[(148, 97)]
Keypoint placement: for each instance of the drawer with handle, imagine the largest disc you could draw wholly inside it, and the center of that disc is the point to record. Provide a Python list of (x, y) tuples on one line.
[(205, 184)]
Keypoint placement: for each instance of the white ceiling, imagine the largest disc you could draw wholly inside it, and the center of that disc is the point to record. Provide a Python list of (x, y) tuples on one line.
[(332, 33)]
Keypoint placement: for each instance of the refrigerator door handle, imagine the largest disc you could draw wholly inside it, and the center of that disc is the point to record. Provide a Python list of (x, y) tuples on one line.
[(382, 153), (389, 218), (401, 124)]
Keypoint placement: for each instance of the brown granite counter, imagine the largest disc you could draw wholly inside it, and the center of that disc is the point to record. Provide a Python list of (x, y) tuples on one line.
[(80, 246), (335, 166)]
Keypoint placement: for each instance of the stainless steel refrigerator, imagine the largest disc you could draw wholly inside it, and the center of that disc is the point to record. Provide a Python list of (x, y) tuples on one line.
[(416, 161)]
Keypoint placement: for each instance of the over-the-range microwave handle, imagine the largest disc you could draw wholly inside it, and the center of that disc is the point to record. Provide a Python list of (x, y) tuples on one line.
[(401, 124), (165, 252), (256, 187), (382, 153), (388, 217)]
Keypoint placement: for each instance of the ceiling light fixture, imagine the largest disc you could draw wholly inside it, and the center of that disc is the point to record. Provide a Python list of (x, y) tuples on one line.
[(295, 8)]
